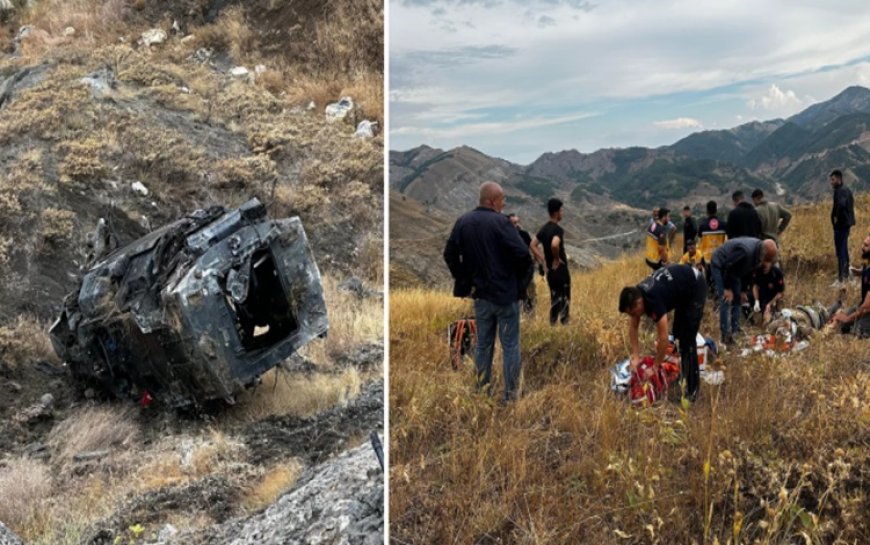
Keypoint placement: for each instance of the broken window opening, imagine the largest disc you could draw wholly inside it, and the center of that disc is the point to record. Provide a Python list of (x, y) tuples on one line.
[(265, 316)]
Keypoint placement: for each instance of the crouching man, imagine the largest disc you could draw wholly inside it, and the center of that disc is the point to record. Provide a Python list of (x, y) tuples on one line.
[(681, 288), (856, 320)]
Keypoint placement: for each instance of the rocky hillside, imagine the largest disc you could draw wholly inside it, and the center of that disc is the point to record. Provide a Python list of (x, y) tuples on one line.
[(138, 112), (609, 192)]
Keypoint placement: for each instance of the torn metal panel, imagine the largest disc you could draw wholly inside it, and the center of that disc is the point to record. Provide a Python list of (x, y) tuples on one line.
[(196, 310)]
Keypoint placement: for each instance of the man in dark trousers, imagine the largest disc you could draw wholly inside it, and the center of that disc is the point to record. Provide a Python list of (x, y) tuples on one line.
[(527, 289), (552, 238), (675, 287), (731, 263), (690, 228), (842, 218), (743, 220), (487, 259)]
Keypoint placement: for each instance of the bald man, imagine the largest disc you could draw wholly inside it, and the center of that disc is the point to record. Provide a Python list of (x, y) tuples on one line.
[(731, 263), (488, 260)]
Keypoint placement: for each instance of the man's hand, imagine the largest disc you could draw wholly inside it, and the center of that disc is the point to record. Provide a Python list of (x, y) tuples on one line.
[(728, 296), (840, 317), (757, 307), (634, 361)]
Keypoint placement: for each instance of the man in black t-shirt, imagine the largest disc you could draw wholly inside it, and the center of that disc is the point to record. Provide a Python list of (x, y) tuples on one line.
[(681, 288), (552, 238), (743, 220), (527, 287), (690, 228), (768, 286)]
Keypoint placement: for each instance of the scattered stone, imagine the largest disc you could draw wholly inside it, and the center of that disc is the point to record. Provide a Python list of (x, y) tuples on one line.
[(6, 535), (14, 386), (153, 36), (187, 38), (355, 286), (337, 111), (203, 54), (165, 533), (175, 28), (139, 188), (259, 69), (366, 129), (101, 81), (69, 31), (6, 5), (239, 71), (90, 456), (311, 106)]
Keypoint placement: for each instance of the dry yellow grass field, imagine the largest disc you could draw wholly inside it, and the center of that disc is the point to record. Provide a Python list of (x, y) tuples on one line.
[(779, 453)]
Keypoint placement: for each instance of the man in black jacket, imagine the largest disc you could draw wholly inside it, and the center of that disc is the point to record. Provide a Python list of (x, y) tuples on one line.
[(731, 263), (743, 220), (487, 259), (842, 218)]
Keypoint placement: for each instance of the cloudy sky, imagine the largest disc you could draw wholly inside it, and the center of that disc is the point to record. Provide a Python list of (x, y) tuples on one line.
[(516, 78)]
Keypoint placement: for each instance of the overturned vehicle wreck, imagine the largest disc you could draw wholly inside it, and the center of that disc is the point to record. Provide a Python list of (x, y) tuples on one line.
[(196, 310)]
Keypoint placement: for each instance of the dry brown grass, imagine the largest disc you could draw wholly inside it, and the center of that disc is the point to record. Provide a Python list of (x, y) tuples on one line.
[(774, 455), (271, 485), (90, 429), (25, 341), (172, 463), (25, 486)]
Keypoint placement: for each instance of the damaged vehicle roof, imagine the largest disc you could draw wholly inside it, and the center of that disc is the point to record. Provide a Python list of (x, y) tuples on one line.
[(196, 310)]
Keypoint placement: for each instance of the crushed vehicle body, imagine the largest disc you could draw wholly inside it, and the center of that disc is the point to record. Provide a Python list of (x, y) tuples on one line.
[(196, 310)]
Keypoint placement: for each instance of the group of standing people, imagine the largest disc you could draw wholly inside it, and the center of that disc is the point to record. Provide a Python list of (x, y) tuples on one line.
[(492, 259)]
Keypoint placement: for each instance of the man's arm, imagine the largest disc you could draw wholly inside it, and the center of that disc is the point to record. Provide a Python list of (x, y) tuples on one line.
[(535, 247), (785, 218), (860, 312), (633, 324), (453, 253), (661, 341), (554, 247)]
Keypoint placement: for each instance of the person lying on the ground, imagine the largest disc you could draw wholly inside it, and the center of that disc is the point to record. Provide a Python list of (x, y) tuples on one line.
[(856, 320), (693, 256), (681, 288), (732, 262), (768, 287)]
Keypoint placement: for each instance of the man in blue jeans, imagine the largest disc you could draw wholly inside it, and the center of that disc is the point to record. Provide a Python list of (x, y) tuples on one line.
[(733, 261), (487, 260), (842, 218)]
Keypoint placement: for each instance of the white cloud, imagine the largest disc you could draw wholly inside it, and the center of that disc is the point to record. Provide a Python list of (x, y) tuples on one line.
[(678, 123), (776, 99)]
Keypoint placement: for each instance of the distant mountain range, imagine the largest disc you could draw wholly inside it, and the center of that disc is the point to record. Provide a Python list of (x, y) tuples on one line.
[(611, 190)]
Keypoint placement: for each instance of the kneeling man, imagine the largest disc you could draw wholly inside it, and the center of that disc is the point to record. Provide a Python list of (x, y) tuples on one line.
[(681, 288)]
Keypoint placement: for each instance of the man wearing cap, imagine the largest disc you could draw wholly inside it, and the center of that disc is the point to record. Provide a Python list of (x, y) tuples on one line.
[(675, 287), (731, 263), (657, 241)]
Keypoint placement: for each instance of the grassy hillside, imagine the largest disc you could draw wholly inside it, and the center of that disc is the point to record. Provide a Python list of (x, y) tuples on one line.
[(779, 453)]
